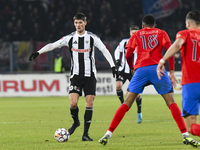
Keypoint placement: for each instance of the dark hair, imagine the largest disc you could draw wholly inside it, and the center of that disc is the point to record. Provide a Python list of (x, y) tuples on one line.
[(149, 20), (194, 15), (80, 16), (134, 27)]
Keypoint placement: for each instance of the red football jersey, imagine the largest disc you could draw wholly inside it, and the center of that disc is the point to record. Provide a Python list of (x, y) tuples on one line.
[(190, 53), (149, 43)]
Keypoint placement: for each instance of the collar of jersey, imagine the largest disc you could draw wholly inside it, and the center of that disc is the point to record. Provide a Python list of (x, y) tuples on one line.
[(81, 35)]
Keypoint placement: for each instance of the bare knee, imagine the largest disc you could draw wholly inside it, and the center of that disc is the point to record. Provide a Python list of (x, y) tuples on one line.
[(89, 100), (118, 85), (73, 98)]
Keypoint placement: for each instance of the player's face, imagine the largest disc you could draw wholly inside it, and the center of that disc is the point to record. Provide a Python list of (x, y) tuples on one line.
[(80, 26), (132, 31)]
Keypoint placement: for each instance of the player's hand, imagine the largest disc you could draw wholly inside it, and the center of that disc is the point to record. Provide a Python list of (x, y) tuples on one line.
[(33, 56), (132, 71), (118, 63), (173, 78), (114, 72), (160, 70)]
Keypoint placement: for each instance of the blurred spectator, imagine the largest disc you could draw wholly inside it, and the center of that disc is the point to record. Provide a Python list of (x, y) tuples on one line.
[(59, 64), (177, 58), (36, 19)]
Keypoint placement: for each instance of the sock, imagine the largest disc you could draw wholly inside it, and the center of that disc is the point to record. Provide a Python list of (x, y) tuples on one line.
[(120, 95), (176, 113), (195, 129), (109, 134), (185, 135), (118, 117), (74, 114), (87, 119), (139, 104)]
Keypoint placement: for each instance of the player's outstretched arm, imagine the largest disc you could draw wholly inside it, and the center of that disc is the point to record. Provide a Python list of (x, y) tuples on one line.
[(46, 48)]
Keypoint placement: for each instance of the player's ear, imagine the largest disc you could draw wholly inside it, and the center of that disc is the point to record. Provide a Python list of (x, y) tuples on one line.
[(143, 25), (187, 23), (155, 25), (85, 23)]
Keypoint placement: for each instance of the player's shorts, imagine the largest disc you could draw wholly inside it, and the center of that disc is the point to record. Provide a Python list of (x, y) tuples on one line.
[(147, 75), (124, 76), (79, 83), (190, 99)]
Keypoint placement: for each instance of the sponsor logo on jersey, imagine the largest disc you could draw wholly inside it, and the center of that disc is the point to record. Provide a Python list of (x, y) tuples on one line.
[(178, 35), (81, 50)]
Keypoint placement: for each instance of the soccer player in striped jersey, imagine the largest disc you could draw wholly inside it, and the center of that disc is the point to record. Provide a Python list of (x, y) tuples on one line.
[(81, 44), (125, 73), (150, 42), (188, 41)]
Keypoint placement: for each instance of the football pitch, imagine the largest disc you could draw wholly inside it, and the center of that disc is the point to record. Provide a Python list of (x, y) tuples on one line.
[(30, 123)]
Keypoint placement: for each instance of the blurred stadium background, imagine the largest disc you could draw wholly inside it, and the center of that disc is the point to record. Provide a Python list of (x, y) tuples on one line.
[(27, 25)]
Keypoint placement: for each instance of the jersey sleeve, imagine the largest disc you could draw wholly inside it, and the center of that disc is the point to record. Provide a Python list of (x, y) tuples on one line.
[(118, 50), (99, 44), (63, 41), (167, 43), (181, 34), (130, 47)]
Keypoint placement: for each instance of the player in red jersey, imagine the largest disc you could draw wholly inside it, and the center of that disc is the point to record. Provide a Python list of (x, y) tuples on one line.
[(188, 41), (150, 42)]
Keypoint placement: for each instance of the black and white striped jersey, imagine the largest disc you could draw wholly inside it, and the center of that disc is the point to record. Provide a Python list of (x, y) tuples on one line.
[(121, 49), (82, 50)]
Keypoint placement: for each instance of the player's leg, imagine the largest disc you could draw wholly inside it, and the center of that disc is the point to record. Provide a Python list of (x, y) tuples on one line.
[(90, 92), (164, 87), (75, 91), (139, 108), (138, 101), (73, 97), (192, 125), (119, 114), (88, 117), (136, 86), (190, 104), (176, 114), (119, 83), (175, 111)]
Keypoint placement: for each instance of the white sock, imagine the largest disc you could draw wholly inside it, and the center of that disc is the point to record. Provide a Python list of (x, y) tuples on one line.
[(109, 133), (186, 134)]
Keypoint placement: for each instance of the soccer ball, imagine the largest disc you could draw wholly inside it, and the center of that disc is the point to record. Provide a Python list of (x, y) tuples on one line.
[(61, 135)]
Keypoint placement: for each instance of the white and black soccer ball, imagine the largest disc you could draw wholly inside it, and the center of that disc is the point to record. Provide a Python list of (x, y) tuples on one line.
[(61, 135)]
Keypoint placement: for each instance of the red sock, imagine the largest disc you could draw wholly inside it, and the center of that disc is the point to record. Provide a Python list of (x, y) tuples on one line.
[(176, 113), (118, 117), (195, 129)]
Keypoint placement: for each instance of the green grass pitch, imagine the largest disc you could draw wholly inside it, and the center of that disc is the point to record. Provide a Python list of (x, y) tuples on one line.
[(30, 123)]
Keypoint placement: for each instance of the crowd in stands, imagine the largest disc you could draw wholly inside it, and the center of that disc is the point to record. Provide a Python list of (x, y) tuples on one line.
[(49, 20)]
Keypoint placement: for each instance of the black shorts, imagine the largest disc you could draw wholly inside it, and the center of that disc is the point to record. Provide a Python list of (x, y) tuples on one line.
[(124, 76), (79, 83)]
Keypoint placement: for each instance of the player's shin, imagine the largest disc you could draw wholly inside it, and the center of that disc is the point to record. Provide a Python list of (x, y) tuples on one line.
[(176, 113), (118, 117)]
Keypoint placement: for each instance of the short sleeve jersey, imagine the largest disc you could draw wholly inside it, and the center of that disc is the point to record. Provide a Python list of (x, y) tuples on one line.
[(150, 43), (190, 54)]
